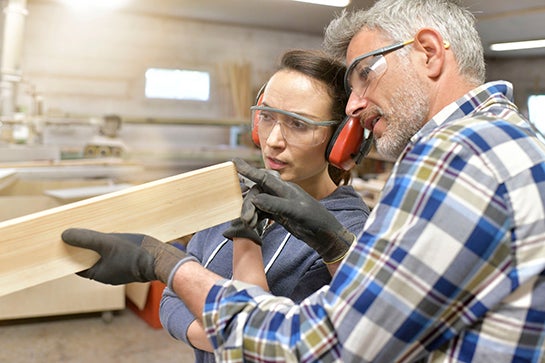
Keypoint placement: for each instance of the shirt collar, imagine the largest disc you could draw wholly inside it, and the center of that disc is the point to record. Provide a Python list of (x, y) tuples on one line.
[(473, 101)]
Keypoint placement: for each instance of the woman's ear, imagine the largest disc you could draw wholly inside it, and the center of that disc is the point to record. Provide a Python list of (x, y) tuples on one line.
[(433, 50)]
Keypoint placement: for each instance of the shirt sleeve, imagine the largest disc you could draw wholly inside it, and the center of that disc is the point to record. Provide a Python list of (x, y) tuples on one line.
[(174, 315), (269, 325), (419, 274)]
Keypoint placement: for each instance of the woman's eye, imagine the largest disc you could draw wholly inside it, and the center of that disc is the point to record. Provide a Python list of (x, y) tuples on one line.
[(265, 116), (295, 124)]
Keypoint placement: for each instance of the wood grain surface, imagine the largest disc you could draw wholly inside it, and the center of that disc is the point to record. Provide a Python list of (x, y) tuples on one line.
[(32, 252)]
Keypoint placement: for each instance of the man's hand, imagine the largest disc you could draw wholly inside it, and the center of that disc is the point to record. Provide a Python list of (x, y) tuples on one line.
[(301, 214), (126, 257)]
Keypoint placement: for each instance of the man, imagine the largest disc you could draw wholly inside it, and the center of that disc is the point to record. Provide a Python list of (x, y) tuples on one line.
[(451, 264)]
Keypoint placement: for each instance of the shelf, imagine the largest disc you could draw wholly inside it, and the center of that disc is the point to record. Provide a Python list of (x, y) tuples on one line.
[(7, 177), (89, 120), (197, 153), (187, 121), (68, 195), (76, 168)]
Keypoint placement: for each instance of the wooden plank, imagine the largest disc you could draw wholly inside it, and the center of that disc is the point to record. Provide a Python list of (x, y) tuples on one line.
[(32, 252)]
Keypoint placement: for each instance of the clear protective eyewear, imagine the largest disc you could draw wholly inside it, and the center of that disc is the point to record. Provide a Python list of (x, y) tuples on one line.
[(368, 67), (296, 129)]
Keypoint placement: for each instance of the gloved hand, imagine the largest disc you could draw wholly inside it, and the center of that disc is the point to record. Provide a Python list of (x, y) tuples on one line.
[(245, 230), (127, 257), (239, 229), (302, 215)]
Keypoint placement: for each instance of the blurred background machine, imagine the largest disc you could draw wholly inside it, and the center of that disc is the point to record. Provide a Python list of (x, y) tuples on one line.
[(107, 143)]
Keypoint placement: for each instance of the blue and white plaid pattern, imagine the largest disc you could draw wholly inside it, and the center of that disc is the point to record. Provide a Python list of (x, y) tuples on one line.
[(451, 266)]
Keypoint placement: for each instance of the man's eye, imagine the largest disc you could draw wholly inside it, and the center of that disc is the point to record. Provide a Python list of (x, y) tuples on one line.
[(363, 73)]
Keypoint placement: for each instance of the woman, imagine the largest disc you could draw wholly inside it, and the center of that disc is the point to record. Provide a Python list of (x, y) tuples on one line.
[(293, 127)]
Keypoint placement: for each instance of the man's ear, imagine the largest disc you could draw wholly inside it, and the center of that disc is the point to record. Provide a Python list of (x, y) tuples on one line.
[(433, 49)]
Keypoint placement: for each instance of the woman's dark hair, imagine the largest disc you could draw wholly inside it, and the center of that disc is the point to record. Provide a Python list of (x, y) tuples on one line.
[(321, 67)]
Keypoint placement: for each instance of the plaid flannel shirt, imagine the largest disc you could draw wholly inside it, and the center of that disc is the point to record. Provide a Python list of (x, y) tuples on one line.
[(450, 266)]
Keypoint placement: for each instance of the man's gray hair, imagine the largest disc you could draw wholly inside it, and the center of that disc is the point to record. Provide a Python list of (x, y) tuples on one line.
[(400, 20)]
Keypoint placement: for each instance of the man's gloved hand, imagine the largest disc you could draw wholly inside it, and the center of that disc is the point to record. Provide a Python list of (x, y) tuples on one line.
[(297, 211), (126, 257)]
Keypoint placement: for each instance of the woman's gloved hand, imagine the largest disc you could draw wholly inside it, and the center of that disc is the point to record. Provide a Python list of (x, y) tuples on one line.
[(126, 257), (246, 229), (297, 211), (239, 229), (252, 222)]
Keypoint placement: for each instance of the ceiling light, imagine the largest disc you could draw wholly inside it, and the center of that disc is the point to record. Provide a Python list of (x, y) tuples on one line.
[(527, 44), (337, 3)]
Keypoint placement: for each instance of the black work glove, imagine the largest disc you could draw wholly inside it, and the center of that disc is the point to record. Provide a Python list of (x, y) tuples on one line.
[(239, 228), (301, 214), (252, 223), (126, 257)]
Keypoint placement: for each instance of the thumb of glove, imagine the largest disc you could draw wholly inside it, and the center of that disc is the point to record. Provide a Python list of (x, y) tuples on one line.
[(239, 230)]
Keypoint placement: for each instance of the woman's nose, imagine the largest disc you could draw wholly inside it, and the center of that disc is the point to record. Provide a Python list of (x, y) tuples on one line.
[(276, 138)]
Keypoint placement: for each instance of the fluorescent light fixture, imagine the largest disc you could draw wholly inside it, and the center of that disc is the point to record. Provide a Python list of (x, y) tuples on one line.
[(527, 44), (337, 3)]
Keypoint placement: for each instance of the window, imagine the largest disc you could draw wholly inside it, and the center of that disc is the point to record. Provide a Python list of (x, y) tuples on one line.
[(536, 113), (177, 84)]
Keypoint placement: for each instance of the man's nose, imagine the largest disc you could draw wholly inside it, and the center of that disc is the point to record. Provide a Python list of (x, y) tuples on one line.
[(355, 105)]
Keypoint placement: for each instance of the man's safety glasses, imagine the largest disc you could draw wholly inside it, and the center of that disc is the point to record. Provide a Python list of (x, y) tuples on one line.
[(296, 129), (368, 67)]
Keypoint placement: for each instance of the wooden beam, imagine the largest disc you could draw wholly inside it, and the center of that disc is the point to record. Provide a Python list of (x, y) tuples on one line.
[(32, 252)]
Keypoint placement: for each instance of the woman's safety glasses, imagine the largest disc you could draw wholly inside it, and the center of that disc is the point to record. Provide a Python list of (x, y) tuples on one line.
[(296, 129), (368, 67)]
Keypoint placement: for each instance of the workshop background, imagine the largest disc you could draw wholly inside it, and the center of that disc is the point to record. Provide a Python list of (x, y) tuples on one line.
[(81, 116)]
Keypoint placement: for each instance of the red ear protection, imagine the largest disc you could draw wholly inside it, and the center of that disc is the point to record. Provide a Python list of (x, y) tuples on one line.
[(255, 120), (347, 146)]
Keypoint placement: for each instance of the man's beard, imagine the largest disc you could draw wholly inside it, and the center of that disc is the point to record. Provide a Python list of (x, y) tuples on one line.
[(406, 115)]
